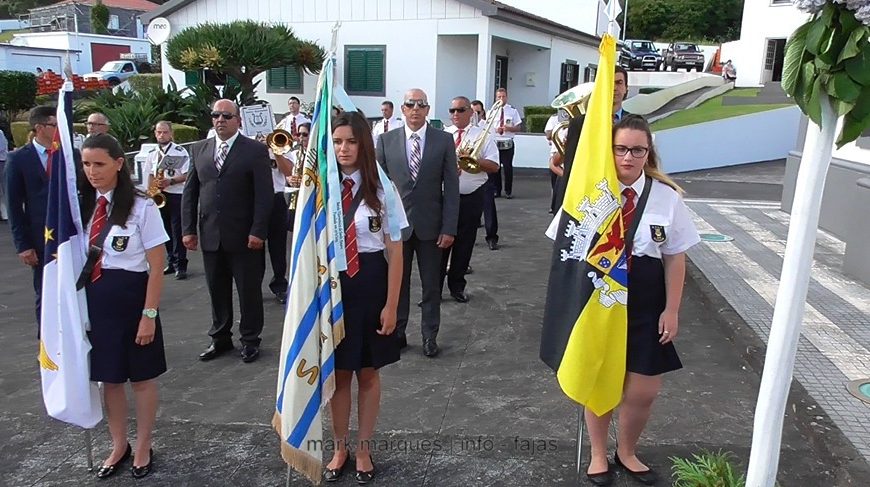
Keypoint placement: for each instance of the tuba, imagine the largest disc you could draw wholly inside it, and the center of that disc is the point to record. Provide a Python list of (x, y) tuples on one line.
[(574, 101), (280, 141), (468, 152)]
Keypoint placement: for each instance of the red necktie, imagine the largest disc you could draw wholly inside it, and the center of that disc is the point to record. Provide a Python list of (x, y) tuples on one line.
[(293, 125), (628, 216), (350, 250), (97, 228), (501, 118), (459, 137), (386, 125)]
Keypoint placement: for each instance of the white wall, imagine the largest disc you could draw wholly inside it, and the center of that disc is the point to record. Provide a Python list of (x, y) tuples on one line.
[(14, 58), (456, 72), (761, 21), (81, 61), (749, 138), (562, 51)]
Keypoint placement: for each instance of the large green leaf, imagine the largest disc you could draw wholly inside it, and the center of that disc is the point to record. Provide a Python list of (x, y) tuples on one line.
[(861, 110), (794, 52), (833, 46), (848, 22), (842, 87), (851, 49), (818, 33), (852, 129), (813, 106), (859, 66)]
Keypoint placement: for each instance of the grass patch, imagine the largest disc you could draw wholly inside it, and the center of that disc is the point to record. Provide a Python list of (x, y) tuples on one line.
[(6, 35), (712, 109)]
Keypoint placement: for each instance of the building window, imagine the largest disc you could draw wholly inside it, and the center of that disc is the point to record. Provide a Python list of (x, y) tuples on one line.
[(781, 2), (365, 70), (114, 23), (192, 77), (569, 75), (286, 79), (589, 73)]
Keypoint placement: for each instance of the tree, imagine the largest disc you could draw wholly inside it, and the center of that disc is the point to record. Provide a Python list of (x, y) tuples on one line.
[(242, 49), (672, 20), (99, 18)]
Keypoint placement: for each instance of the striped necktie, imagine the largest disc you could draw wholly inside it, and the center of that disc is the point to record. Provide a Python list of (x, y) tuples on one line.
[(458, 138), (222, 156), (100, 217), (416, 156), (350, 251)]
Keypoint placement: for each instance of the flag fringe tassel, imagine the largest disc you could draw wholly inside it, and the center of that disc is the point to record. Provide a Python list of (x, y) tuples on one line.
[(297, 459)]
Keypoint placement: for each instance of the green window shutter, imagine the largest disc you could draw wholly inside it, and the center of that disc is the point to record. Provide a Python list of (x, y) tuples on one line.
[(356, 71), (191, 77), (285, 78), (364, 70), (375, 71)]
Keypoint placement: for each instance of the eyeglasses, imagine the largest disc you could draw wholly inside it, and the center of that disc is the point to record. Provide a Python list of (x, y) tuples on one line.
[(418, 103), (95, 123), (457, 110), (225, 115), (636, 152)]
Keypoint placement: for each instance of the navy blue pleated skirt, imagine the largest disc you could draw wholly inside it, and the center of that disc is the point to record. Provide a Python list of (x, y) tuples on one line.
[(363, 298), (115, 304), (646, 302)]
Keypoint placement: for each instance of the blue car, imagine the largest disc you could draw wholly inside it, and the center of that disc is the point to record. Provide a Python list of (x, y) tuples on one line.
[(639, 54)]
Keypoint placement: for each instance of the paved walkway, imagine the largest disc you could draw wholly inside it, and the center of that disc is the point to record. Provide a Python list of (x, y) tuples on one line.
[(486, 412)]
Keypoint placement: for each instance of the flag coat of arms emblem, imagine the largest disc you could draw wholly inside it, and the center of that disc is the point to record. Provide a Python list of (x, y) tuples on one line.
[(585, 319)]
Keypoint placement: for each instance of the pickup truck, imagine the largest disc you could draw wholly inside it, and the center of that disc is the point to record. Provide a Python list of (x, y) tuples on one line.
[(684, 55), (115, 72), (639, 54)]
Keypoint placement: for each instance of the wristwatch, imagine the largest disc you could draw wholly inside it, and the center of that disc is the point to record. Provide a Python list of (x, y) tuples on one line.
[(149, 313)]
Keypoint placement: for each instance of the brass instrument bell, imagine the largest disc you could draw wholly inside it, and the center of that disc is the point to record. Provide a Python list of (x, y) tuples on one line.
[(575, 102), (280, 141)]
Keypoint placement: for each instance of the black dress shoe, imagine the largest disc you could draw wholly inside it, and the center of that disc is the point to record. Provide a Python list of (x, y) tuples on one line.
[(430, 347), (460, 297), (493, 245), (143, 471), (334, 474), (180, 275), (363, 478), (168, 270), (214, 350), (647, 477), (250, 353), (403, 342), (281, 298), (602, 478), (509, 196), (469, 271), (109, 470)]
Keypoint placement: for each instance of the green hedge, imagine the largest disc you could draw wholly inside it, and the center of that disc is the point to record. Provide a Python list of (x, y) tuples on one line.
[(146, 82), (535, 123), (183, 133), (538, 110), (17, 92)]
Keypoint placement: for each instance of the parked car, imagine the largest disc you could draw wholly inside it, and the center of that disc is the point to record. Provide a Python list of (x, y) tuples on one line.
[(116, 72), (684, 55), (639, 54)]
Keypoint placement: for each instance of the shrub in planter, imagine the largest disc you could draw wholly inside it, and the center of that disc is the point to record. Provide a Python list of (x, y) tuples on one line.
[(538, 110), (21, 129), (536, 123), (17, 92), (185, 133)]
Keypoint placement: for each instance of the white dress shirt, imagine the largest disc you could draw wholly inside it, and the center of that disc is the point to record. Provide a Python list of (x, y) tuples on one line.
[(125, 247), (378, 127), (468, 183), (177, 164), (512, 118), (372, 228), (230, 141), (286, 122)]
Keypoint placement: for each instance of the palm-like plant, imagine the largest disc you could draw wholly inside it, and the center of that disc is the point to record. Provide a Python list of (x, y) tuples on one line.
[(242, 49), (706, 470)]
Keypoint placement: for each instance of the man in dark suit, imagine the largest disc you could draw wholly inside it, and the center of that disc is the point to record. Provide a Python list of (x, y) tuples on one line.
[(572, 138), (27, 194), (226, 205), (421, 161)]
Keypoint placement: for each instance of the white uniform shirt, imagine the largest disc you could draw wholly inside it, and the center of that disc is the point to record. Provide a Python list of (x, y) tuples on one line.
[(279, 181), (372, 229), (409, 144), (378, 127), (468, 182), (177, 165), (665, 228), (125, 247), (4, 148), (286, 123), (512, 118)]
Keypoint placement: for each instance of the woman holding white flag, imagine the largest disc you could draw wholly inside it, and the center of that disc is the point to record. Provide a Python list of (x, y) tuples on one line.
[(126, 237), (370, 294)]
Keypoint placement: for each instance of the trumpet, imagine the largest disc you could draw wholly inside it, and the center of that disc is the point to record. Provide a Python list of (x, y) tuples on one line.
[(280, 141), (574, 101), (468, 153), (154, 189)]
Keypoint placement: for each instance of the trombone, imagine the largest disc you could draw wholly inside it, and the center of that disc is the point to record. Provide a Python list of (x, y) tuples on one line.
[(280, 141), (574, 101), (468, 153)]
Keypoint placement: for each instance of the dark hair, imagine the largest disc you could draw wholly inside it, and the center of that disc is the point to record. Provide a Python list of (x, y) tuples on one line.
[(653, 164), (365, 155), (125, 192), (388, 103), (41, 115), (306, 125), (294, 98)]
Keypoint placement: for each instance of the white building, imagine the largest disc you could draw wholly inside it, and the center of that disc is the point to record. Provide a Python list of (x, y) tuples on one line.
[(88, 51), (23, 58), (446, 47), (759, 54)]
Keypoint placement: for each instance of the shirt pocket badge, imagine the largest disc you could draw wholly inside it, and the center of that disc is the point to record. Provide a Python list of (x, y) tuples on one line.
[(657, 233), (119, 243), (374, 224)]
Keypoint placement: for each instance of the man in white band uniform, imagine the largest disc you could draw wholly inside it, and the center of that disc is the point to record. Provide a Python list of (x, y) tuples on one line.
[(294, 118), (389, 122)]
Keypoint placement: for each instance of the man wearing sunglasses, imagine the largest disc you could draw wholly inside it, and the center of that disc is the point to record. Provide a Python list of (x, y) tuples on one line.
[(421, 161), (27, 193), (226, 205)]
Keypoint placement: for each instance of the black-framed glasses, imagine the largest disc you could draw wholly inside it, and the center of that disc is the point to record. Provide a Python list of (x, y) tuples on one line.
[(416, 103), (225, 115), (459, 110), (636, 152)]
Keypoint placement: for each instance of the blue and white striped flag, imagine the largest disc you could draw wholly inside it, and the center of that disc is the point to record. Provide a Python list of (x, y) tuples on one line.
[(313, 324), (67, 391)]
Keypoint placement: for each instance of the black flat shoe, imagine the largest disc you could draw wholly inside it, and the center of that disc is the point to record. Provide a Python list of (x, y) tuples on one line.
[(143, 471), (168, 270), (109, 470), (430, 348), (363, 478), (459, 297), (647, 477), (250, 353), (334, 474), (180, 275), (601, 479)]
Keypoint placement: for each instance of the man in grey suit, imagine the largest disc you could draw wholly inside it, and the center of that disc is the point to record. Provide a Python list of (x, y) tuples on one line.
[(421, 161), (225, 207)]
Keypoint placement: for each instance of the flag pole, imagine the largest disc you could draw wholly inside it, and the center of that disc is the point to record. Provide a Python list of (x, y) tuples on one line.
[(89, 450), (289, 471), (580, 423)]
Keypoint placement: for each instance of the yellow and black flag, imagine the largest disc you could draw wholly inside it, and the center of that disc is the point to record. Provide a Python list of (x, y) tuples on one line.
[(585, 320)]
